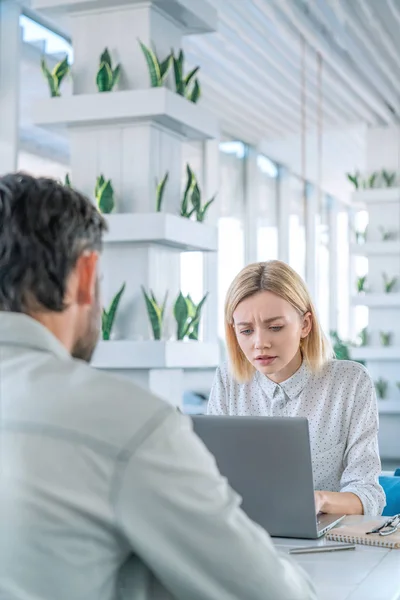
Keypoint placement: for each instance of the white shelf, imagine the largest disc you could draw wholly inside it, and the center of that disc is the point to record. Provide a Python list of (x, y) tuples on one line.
[(377, 300), (158, 105), (376, 249), (375, 353), (377, 196), (161, 229), (193, 16), (125, 354), (389, 407)]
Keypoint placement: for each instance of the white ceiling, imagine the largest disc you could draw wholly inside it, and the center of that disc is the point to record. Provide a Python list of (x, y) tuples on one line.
[(251, 75)]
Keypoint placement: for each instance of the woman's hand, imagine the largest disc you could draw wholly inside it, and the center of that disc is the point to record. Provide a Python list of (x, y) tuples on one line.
[(338, 503)]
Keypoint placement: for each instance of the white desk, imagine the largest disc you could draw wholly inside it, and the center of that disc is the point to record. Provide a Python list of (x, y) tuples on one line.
[(367, 573)]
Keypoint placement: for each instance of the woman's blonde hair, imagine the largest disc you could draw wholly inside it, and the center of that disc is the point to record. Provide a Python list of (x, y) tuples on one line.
[(277, 277)]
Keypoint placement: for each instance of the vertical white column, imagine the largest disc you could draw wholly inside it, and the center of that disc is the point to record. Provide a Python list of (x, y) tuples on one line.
[(9, 84), (311, 240), (283, 214), (251, 205), (211, 184), (333, 265)]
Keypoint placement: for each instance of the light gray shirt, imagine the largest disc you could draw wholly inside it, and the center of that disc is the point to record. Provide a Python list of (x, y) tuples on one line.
[(106, 492), (341, 408)]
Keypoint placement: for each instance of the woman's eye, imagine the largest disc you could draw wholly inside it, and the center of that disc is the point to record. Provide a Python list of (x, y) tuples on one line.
[(246, 332), (276, 328)]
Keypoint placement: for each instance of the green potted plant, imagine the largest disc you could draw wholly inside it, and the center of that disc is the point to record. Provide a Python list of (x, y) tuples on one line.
[(108, 316), (354, 179), (104, 194), (107, 77), (158, 70), (160, 189), (191, 202), (389, 178), (361, 284), (155, 312), (386, 234), (389, 283), (385, 337), (381, 386), (185, 85), (188, 315), (56, 76), (363, 337)]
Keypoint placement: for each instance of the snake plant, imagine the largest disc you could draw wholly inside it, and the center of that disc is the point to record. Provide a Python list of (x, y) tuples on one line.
[(361, 284), (104, 194), (389, 178), (108, 316), (388, 283), (107, 77), (158, 70), (160, 191), (386, 337), (191, 201), (185, 85), (381, 386), (188, 315), (56, 76), (67, 181), (155, 312)]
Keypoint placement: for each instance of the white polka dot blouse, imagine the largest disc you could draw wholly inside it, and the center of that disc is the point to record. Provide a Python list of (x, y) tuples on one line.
[(341, 408)]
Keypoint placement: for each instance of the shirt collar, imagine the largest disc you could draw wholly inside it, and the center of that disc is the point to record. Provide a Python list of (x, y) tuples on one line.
[(17, 329), (292, 386)]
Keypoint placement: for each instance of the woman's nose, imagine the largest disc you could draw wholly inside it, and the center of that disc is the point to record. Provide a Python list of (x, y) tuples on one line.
[(262, 341)]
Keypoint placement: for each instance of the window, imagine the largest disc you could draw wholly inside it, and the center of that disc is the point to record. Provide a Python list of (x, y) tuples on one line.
[(231, 220), (343, 270), (53, 42), (322, 262), (267, 209), (297, 226)]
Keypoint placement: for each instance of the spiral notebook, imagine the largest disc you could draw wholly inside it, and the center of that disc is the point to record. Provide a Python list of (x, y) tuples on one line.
[(356, 534)]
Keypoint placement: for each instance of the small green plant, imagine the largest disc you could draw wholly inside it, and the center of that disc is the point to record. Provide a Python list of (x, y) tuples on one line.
[(361, 284), (386, 338), (340, 347), (363, 337), (389, 178), (386, 234), (160, 191), (107, 77), (388, 283), (372, 179), (108, 316), (361, 235), (104, 194), (354, 179), (56, 76), (191, 201), (155, 312), (187, 315), (381, 386), (185, 85), (158, 71), (67, 181)]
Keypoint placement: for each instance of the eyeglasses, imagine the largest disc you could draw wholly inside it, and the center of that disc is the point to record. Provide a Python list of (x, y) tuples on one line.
[(388, 527)]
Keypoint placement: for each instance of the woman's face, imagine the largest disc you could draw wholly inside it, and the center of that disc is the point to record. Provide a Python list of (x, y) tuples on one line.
[(269, 330)]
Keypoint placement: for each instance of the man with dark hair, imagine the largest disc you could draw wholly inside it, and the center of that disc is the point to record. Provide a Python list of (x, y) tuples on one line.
[(97, 474)]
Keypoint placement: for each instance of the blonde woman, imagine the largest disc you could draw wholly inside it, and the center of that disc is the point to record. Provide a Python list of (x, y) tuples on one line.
[(280, 364)]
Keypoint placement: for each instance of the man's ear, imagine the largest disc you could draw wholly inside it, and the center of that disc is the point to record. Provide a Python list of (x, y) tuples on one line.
[(86, 277)]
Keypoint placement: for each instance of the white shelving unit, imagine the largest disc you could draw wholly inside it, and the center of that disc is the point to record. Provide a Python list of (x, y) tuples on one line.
[(157, 105), (376, 353), (133, 136), (125, 354), (377, 300), (383, 362), (161, 229)]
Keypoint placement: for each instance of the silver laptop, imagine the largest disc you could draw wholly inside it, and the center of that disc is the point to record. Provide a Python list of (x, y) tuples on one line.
[(267, 460)]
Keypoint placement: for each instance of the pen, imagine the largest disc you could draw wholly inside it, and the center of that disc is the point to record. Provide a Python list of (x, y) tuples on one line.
[(316, 549)]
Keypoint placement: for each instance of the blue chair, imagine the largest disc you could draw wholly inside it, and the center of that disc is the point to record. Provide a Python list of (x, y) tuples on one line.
[(391, 486)]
